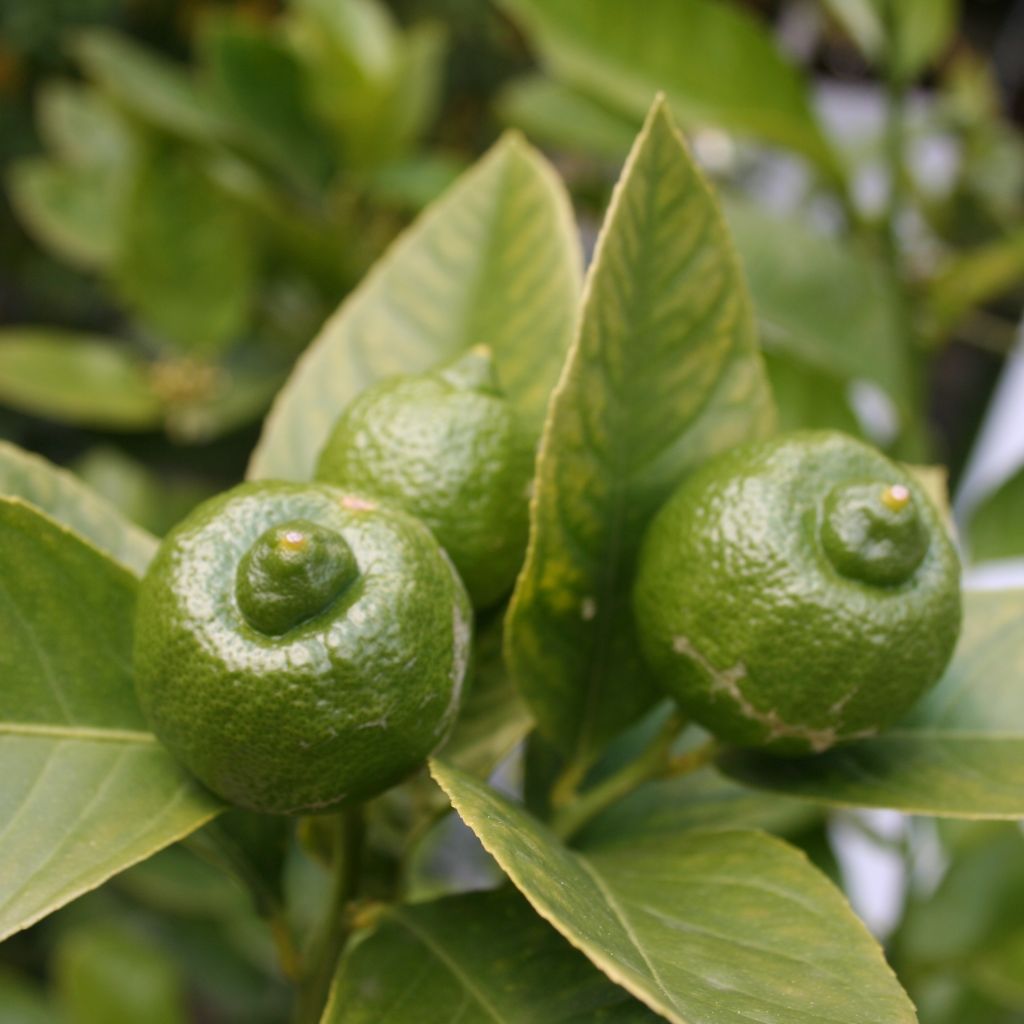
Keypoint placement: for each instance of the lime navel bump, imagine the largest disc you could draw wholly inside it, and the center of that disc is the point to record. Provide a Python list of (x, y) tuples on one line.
[(292, 572), (873, 532)]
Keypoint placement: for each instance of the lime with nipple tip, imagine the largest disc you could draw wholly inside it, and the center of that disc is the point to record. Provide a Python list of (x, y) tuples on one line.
[(299, 648), (798, 592)]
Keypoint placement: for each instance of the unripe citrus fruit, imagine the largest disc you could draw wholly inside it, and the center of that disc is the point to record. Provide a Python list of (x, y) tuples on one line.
[(449, 449), (298, 647), (797, 592)]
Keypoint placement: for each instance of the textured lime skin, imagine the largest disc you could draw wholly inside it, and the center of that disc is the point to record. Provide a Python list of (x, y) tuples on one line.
[(749, 623), (342, 705), (451, 451)]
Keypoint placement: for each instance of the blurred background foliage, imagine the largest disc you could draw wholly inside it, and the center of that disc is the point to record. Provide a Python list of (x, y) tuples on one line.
[(189, 188)]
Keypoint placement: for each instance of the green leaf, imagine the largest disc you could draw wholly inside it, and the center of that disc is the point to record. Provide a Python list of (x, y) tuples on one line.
[(75, 212), (187, 259), (706, 927), (699, 800), (258, 83), (820, 300), (808, 398), (377, 86), (108, 974), (75, 204), (970, 279), (924, 29), (415, 96), (862, 21), (150, 498), (86, 379), (83, 128), (664, 373), (413, 182), (960, 753), (975, 907), (154, 90), (63, 497), (480, 958), (996, 526), (563, 117), (493, 718), (716, 64), (87, 790), (495, 260)]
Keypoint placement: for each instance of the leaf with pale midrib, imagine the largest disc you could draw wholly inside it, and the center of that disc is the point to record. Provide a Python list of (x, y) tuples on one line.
[(663, 375), (87, 791), (959, 753), (494, 261), (479, 958), (705, 926)]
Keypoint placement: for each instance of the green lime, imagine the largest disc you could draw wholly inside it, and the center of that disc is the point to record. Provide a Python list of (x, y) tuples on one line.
[(797, 592), (449, 449), (298, 647)]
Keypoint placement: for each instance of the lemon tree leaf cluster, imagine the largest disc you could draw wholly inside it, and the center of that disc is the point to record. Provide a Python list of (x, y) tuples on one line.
[(634, 868)]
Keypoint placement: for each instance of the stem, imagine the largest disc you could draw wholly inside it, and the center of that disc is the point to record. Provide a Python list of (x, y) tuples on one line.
[(655, 762), (350, 828)]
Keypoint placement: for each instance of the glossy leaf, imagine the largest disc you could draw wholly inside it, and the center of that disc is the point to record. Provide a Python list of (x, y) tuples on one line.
[(155, 90), (478, 959), (959, 753), (87, 790), (664, 373), (75, 212), (187, 260), (819, 300), (682, 47), (494, 260), (996, 527), (63, 497), (705, 927), (85, 379)]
